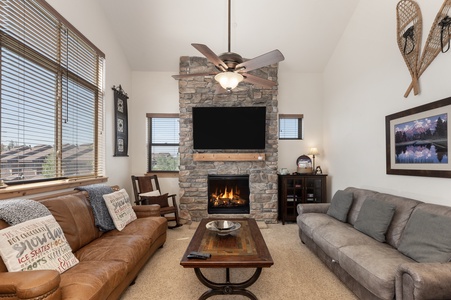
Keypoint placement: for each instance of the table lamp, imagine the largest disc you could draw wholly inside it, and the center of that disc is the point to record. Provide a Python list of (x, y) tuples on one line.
[(313, 151)]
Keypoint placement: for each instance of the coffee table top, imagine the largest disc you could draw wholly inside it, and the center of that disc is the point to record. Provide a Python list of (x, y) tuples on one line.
[(244, 248)]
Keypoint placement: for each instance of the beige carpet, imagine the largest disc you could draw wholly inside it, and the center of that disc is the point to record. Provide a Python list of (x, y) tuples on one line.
[(296, 273)]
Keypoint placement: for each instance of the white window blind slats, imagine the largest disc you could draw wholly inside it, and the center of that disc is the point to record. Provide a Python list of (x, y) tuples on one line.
[(51, 102)]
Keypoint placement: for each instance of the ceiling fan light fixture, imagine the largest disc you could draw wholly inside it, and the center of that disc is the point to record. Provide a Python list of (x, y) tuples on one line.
[(229, 80)]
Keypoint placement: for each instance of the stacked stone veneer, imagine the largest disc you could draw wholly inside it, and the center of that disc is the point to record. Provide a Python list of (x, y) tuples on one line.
[(203, 91)]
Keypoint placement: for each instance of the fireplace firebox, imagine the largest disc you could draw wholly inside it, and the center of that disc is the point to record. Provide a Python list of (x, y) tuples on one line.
[(228, 194)]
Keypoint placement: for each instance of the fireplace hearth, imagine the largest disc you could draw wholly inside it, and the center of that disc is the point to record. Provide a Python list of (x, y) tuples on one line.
[(228, 194)]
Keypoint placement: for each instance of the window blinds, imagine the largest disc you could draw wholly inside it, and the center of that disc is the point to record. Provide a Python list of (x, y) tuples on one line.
[(51, 96)]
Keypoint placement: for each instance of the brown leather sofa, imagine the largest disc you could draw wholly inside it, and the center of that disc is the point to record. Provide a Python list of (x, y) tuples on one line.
[(109, 262)]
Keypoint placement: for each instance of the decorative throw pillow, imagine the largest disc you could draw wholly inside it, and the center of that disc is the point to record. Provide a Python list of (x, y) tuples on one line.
[(150, 194), (340, 204), (37, 244), (374, 218), (426, 238), (121, 211)]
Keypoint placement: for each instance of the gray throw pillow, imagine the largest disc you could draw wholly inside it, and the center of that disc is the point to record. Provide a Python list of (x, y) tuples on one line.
[(374, 218), (340, 204), (426, 238)]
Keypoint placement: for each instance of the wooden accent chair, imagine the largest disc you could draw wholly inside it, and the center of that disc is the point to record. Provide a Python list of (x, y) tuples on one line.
[(147, 191)]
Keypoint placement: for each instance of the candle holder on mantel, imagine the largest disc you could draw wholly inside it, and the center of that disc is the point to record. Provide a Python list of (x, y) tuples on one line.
[(313, 152)]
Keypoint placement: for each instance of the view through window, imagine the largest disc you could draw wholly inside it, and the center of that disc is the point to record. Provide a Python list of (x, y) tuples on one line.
[(51, 87), (163, 141)]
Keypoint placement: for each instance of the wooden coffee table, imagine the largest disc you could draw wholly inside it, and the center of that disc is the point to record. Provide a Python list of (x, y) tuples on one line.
[(244, 248)]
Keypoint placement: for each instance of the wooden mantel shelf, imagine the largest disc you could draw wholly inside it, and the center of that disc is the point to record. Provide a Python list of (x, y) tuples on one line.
[(228, 156)]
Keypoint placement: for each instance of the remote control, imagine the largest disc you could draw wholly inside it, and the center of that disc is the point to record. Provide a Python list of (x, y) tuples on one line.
[(199, 255)]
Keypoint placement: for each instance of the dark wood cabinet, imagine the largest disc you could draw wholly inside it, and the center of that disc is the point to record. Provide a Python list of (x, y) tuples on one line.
[(296, 189)]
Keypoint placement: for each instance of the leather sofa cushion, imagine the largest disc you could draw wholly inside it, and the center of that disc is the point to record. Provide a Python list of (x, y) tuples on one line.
[(374, 218), (73, 213), (125, 248), (373, 266), (308, 222), (92, 279), (150, 228), (339, 205), (426, 237), (334, 235)]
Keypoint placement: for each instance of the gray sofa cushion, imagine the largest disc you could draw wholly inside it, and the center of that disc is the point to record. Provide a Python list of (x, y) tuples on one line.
[(340, 205), (374, 218), (374, 266), (426, 237)]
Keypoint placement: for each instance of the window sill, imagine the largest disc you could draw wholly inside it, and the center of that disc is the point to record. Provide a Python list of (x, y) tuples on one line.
[(22, 190)]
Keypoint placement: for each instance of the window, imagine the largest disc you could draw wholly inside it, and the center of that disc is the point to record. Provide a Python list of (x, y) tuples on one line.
[(163, 141), (51, 86), (290, 127)]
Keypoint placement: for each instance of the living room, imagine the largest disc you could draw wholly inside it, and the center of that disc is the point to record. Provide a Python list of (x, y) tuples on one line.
[(344, 102), (344, 106)]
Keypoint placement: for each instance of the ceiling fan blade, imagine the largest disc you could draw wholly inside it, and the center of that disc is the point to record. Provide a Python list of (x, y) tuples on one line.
[(211, 56), (258, 81), (192, 75), (261, 61)]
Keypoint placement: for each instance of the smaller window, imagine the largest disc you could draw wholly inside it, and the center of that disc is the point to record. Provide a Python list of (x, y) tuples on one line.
[(163, 141), (290, 127)]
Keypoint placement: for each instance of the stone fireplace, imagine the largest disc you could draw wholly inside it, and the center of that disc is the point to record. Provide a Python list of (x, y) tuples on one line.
[(194, 173), (228, 194)]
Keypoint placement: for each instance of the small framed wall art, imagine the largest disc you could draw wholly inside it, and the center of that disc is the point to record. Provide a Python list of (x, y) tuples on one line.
[(120, 122), (417, 140)]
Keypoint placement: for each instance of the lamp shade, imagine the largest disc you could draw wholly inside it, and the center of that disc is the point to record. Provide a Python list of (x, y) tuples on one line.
[(313, 151), (229, 80)]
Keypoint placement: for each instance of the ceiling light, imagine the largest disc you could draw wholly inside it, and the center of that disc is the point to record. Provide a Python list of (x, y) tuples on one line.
[(229, 80)]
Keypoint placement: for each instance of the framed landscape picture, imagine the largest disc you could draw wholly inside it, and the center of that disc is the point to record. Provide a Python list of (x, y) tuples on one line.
[(120, 122), (417, 140)]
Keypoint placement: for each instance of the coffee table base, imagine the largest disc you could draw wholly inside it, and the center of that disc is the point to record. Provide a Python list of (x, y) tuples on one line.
[(227, 288)]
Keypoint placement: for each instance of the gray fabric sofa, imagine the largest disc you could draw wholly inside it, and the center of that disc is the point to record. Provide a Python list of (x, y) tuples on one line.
[(412, 262)]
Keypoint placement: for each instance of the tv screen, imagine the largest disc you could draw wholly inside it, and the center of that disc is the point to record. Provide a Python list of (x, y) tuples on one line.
[(229, 128)]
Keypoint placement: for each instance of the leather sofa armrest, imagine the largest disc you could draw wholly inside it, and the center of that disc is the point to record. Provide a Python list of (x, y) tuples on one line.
[(144, 211), (43, 284), (423, 281), (313, 208)]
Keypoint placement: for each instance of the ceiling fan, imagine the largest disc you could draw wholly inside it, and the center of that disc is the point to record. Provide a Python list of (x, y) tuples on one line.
[(232, 68)]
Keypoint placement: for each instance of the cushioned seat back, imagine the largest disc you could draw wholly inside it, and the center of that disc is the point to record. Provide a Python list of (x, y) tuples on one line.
[(404, 209), (74, 214), (359, 195)]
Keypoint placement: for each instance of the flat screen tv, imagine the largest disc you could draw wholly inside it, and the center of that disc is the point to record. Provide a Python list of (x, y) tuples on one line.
[(229, 128)]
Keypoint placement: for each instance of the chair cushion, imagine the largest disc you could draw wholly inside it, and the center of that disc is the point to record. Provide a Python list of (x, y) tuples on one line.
[(150, 194), (120, 209), (426, 237), (340, 205), (37, 244), (374, 218), (161, 200)]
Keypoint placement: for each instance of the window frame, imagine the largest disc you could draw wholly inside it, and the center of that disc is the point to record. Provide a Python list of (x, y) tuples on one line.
[(300, 118), (149, 117), (28, 52)]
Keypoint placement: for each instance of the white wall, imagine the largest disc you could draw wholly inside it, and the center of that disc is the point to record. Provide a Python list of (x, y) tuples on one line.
[(365, 80), (87, 16), (153, 92), (301, 93)]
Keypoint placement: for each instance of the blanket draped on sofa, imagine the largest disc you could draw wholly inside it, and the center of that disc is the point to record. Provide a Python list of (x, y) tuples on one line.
[(16, 211)]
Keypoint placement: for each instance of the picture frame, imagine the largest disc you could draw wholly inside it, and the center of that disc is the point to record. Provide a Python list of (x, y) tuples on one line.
[(120, 122), (417, 140)]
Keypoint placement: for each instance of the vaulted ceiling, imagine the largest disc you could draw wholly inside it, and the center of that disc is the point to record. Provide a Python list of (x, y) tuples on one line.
[(155, 33)]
